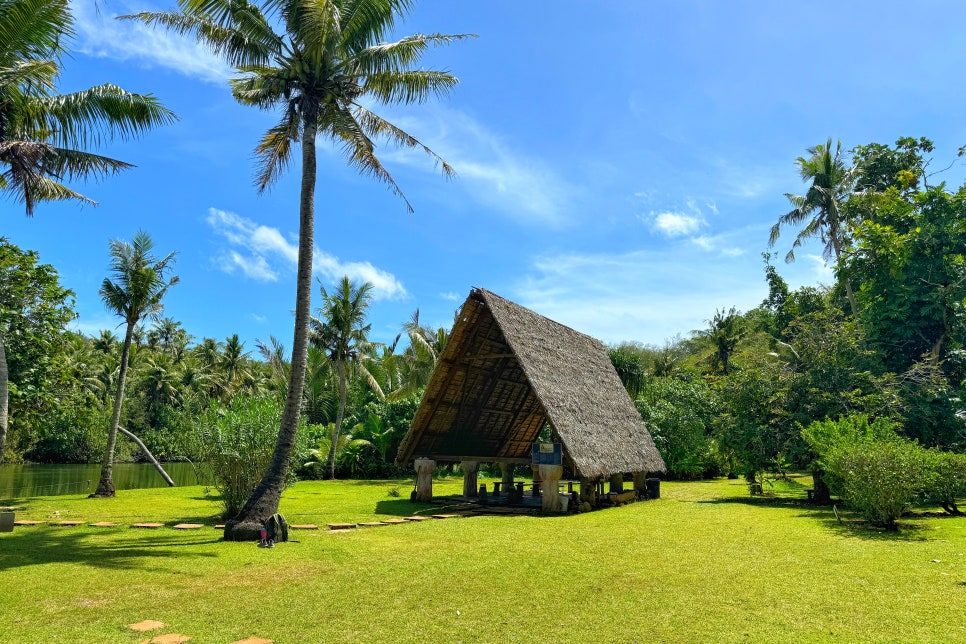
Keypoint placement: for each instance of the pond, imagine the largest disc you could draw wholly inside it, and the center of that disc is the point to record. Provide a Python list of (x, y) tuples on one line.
[(19, 481)]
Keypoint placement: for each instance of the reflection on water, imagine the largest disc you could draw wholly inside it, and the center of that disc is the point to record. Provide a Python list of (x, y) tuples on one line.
[(19, 481)]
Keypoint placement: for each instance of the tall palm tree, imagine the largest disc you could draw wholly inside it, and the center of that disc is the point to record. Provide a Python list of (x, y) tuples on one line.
[(725, 330), (43, 133), (821, 208), (325, 64), (340, 331), (139, 283)]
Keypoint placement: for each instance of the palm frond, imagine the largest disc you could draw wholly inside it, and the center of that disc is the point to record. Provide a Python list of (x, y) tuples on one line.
[(376, 126), (33, 29), (105, 111), (409, 86), (274, 151), (400, 55)]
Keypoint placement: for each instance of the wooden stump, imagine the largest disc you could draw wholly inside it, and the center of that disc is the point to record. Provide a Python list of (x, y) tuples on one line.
[(470, 475)]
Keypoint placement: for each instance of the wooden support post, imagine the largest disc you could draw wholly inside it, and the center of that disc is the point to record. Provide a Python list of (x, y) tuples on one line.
[(424, 479), (640, 484), (617, 483), (470, 475), (588, 491), (507, 470), (549, 475), (536, 479)]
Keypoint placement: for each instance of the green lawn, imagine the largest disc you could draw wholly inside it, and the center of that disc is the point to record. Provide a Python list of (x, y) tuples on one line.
[(705, 563)]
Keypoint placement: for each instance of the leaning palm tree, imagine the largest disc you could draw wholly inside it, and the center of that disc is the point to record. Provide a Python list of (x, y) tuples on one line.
[(821, 208), (139, 282), (42, 133), (341, 333), (322, 69)]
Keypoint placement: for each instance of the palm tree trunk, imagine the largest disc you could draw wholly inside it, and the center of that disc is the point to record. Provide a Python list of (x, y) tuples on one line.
[(263, 502), (837, 247), (105, 487), (339, 416), (4, 397)]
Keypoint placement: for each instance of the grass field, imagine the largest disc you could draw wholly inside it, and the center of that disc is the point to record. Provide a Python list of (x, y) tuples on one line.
[(705, 563)]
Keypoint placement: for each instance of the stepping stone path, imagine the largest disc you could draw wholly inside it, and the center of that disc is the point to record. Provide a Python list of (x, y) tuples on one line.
[(150, 526), (177, 638), (170, 638), (446, 516), (394, 521), (25, 522), (146, 625), (188, 526), (104, 524), (68, 524), (341, 526), (417, 518), (304, 526), (373, 524)]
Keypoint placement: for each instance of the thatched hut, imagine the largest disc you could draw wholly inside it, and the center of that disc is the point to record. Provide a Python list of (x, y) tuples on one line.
[(504, 374)]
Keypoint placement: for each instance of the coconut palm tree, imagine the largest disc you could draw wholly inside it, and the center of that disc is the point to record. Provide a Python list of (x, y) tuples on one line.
[(42, 133), (341, 333), (821, 208), (324, 67), (139, 283)]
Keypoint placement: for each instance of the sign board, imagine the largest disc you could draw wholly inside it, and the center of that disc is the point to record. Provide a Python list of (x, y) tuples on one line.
[(547, 454)]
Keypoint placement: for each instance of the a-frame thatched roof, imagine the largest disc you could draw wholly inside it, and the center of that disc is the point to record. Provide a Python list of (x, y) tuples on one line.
[(506, 372)]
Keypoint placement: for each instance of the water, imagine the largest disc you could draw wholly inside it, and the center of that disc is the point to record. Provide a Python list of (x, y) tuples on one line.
[(19, 481)]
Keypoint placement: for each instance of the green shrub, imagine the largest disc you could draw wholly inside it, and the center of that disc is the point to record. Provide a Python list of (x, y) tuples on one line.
[(240, 440), (881, 480), (946, 478), (878, 473)]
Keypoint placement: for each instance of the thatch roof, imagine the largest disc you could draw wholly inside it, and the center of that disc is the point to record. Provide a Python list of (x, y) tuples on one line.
[(506, 372)]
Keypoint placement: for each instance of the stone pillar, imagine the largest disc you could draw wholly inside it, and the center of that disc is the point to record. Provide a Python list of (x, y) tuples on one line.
[(424, 479), (549, 475), (588, 491), (507, 470), (640, 484), (470, 472), (617, 483), (536, 479)]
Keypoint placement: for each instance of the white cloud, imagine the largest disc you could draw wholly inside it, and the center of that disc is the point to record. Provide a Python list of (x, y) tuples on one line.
[(676, 224), (450, 296), (258, 250), (488, 168), (823, 273), (646, 296), (102, 36)]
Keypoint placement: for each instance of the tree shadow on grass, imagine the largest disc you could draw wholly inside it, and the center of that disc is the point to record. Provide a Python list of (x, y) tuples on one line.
[(401, 507), (844, 524), (29, 547)]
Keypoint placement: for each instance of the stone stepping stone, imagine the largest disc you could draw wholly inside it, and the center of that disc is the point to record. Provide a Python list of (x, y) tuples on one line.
[(416, 518), (146, 625), (303, 526), (11, 508), (189, 526), (170, 638), (104, 524), (69, 524), (341, 526), (220, 526), (446, 516), (394, 521), (254, 640), (26, 522), (372, 524), (150, 526)]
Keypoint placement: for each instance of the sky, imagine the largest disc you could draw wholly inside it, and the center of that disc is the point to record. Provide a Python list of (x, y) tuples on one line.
[(619, 164)]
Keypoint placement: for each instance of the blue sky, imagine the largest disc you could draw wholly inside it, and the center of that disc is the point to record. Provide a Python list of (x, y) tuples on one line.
[(619, 163)]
